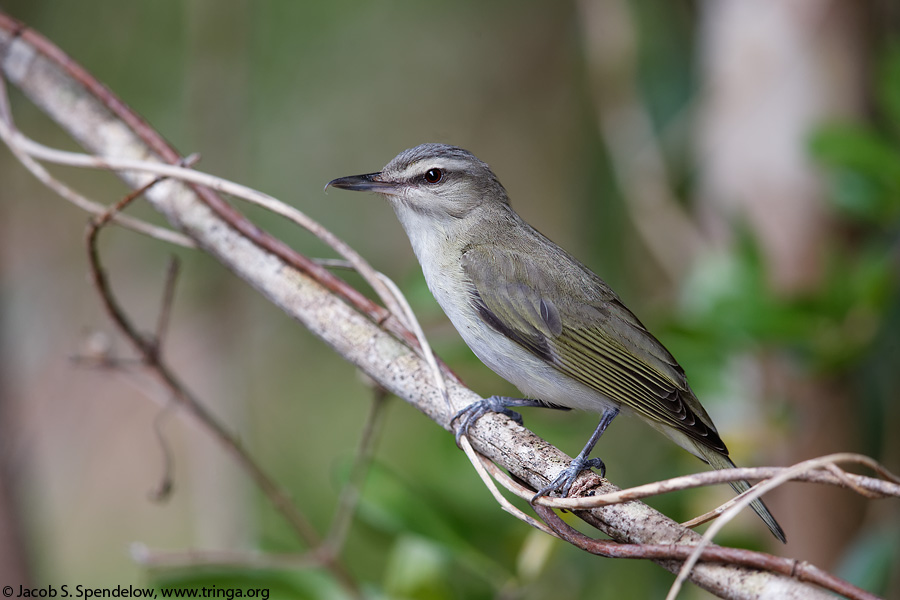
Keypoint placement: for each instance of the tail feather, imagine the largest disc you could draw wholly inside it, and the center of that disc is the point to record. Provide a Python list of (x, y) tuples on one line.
[(720, 461), (760, 508)]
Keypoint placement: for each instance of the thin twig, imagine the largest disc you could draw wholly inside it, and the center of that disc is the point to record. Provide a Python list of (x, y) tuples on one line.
[(350, 493), (482, 465), (848, 479), (9, 133), (609, 548), (873, 487), (714, 513), (167, 480), (144, 345), (218, 184), (34, 63), (410, 321), (413, 325), (165, 313), (148, 350), (751, 495), (799, 570), (386, 289)]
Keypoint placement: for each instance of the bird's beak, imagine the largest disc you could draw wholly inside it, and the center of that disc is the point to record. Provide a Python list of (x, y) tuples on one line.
[(370, 182)]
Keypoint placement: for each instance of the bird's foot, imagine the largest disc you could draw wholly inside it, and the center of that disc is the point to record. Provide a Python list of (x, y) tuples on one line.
[(563, 482), (498, 404)]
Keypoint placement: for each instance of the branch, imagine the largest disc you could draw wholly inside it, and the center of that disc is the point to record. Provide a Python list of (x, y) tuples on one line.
[(149, 349), (819, 470), (794, 568)]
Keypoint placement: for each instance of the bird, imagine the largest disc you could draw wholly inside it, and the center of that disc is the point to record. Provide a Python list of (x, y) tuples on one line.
[(534, 314)]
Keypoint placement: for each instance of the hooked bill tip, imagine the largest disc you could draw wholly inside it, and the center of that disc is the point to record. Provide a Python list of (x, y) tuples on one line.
[(362, 183), (334, 183)]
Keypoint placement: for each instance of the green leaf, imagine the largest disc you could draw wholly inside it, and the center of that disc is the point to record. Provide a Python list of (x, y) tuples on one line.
[(390, 505), (865, 171), (418, 568), (889, 87), (853, 147)]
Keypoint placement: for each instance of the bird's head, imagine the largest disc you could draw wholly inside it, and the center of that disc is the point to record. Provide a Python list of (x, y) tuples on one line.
[(435, 180)]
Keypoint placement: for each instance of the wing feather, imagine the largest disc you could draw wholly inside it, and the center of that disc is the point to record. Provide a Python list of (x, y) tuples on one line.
[(586, 334)]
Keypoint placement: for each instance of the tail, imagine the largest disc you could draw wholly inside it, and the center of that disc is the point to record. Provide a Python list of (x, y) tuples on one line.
[(721, 461)]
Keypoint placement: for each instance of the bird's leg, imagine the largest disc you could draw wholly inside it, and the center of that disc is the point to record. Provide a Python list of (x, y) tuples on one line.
[(497, 404), (581, 462)]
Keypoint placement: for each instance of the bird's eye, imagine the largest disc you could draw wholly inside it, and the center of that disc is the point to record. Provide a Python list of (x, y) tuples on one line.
[(434, 175)]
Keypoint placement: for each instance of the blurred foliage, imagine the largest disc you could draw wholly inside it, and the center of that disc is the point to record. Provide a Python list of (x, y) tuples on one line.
[(729, 304), (862, 160), (848, 327), (872, 559), (212, 582)]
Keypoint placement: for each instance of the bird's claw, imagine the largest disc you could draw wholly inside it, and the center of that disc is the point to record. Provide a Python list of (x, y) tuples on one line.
[(467, 416), (563, 482)]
